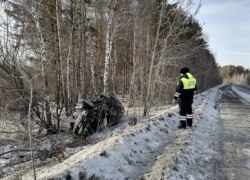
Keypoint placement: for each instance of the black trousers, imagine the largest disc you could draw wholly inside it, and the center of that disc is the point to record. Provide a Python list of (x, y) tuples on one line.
[(186, 115), (185, 107)]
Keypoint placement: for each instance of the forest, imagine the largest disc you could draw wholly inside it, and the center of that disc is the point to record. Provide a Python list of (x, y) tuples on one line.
[(56, 53), (235, 74)]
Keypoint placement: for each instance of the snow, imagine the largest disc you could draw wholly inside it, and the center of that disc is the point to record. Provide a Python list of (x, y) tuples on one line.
[(152, 145), (197, 159), (117, 157), (243, 95)]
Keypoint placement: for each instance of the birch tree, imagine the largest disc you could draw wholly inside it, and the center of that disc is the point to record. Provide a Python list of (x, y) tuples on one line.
[(35, 16), (170, 44), (133, 47), (83, 52), (108, 46)]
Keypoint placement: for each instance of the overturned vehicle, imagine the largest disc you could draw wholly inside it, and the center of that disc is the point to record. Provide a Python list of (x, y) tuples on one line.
[(97, 115)]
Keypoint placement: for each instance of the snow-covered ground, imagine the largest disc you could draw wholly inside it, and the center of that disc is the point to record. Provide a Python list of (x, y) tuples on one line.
[(153, 149), (243, 95), (200, 155)]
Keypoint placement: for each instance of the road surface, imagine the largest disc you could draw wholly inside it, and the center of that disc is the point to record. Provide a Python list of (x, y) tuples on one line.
[(235, 136)]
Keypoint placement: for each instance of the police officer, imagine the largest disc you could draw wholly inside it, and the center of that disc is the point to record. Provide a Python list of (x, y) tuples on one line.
[(185, 93)]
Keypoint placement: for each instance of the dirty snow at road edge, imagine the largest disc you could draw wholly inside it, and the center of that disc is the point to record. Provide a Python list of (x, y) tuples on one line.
[(198, 160), (242, 94)]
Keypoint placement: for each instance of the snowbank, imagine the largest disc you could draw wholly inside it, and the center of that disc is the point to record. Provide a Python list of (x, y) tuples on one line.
[(198, 159), (125, 155), (132, 153), (243, 95)]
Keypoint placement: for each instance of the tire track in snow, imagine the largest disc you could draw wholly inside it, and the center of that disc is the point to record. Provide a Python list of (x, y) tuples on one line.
[(127, 155), (165, 162)]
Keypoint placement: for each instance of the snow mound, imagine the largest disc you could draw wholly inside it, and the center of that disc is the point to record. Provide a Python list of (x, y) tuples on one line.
[(133, 152), (198, 159)]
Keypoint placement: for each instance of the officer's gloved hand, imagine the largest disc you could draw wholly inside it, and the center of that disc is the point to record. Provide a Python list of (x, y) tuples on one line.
[(175, 100)]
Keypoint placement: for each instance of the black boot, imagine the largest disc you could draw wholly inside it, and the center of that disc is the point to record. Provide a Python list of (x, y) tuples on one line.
[(182, 125), (189, 122)]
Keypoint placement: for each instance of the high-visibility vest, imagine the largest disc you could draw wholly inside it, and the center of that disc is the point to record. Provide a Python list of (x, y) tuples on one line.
[(189, 83)]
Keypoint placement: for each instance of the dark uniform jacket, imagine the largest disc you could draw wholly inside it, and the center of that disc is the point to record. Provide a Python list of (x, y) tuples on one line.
[(185, 94)]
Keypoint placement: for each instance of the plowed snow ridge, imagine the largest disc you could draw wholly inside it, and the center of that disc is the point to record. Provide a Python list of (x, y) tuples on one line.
[(150, 149)]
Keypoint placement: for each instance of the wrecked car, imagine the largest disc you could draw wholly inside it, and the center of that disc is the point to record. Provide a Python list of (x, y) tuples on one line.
[(97, 115)]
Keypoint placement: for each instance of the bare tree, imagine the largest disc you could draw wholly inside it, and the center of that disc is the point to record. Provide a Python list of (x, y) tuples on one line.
[(44, 65), (89, 47), (108, 49)]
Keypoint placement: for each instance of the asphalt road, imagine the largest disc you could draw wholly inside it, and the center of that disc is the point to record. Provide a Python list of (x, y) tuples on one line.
[(235, 135)]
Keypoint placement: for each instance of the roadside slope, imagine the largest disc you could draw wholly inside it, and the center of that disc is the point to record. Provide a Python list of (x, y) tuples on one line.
[(132, 154), (200, 156)]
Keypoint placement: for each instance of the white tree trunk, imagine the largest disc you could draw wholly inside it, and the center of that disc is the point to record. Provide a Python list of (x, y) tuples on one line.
[(108, 50), (30, 131), (114, 67), (150, 75), (44, 66), (68, 70), (29, 121), (132, 81), (84, 79), (92, 66), (65, 96)]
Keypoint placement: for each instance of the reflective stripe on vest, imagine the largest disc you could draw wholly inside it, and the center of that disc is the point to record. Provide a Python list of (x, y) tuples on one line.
[(189, 83)]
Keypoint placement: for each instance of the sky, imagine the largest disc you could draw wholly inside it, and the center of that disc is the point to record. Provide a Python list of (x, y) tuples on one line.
[(226, 24)]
